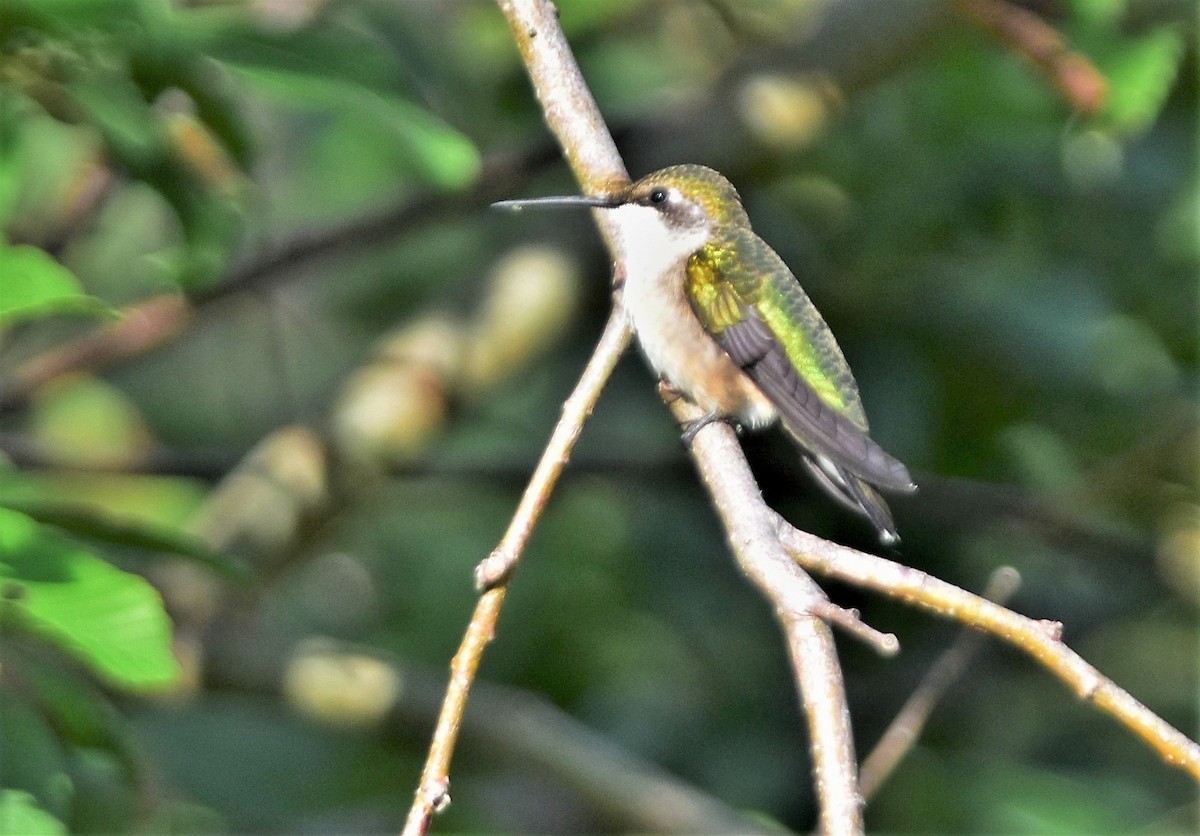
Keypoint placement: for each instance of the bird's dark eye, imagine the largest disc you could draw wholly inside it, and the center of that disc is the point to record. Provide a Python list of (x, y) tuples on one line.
[(658, 196)]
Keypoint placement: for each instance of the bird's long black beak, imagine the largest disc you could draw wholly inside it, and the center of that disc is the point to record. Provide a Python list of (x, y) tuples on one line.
[(557, 202)]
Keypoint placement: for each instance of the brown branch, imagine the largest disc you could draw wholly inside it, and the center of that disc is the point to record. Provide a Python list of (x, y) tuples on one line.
[(798, 603), (1040, 639), (1076, 78), (906, 726), (152, 323), (142, 327), (433, 790), (572, 115)]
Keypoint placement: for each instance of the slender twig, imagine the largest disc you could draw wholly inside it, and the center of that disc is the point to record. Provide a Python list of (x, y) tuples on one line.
[(1040, 639), (850, 620), (142, 327), (575, 120), (433, 791), (497, 566), (906, 726)]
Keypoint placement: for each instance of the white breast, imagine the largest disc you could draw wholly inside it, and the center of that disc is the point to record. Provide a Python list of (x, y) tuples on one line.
[(668, 331)]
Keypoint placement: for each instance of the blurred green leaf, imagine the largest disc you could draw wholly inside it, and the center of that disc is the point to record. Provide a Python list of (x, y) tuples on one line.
[(33, 284), (117, 108), (88, 522), (1141, 72), (435, 151), (34, 758), (21, 816), (111, 620), (1139, 66)]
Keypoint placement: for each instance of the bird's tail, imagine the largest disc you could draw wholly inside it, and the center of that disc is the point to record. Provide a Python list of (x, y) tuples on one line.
[(855, 494)]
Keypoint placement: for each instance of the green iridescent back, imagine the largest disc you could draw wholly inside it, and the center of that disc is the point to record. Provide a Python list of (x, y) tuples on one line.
[(737, 273)]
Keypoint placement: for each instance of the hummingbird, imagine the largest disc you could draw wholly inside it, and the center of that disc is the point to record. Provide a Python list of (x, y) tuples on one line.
[(723, 321)]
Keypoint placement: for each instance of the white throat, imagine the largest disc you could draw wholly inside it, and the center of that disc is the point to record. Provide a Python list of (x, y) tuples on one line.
[(647, 245)]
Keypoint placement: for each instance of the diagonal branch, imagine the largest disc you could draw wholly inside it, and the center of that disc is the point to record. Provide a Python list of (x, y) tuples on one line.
[(748, 523), (433, 793), (1040, 639)]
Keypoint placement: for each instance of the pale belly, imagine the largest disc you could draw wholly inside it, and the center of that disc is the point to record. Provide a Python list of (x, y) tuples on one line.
[(680, 350)]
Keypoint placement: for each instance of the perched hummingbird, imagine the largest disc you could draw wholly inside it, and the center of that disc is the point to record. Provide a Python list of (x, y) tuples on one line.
[(723, 320)]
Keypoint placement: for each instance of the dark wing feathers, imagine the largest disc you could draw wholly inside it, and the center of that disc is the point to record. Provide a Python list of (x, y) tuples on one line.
[(821, 429)]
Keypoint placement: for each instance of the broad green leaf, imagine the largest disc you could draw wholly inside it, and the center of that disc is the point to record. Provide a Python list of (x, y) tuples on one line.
[(21, 815), (111, 620), (32, 284)]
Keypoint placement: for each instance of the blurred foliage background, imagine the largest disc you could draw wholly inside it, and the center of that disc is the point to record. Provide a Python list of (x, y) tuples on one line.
[(267, 361)]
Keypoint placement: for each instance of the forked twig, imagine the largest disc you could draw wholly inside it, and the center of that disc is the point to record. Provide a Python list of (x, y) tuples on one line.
[(763, 544), (576, 122), (1040, 639), (799, 603)]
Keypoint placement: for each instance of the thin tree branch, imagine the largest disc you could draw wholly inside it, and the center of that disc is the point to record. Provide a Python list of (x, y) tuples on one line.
[(798, 603), (906, 726), (433, 793), (573, 117), (142, 327), (1040, 639)]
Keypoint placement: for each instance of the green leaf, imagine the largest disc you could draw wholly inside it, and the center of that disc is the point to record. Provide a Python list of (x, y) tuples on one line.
[(111, 620), (113, 103), (20, 814), (97, 525), (32, 284), (1140, 76), (436, 152)]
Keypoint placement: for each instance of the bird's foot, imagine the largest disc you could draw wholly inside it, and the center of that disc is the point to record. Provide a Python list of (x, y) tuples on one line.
[(692, 427)]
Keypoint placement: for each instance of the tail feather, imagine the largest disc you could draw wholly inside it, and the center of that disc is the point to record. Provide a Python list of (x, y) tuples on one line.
[(855, 494)]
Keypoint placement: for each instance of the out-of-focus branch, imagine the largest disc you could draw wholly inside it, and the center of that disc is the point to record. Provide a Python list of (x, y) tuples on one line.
[(344, 686), (152, 323), (1022, 31), (906, 726), (142, 327), (1040, 639)]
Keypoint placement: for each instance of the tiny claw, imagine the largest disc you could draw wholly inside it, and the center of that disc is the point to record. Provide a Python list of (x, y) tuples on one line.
[(691, 428)]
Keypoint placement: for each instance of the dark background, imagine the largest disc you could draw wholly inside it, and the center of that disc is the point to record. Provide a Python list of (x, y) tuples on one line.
[(1013, 282)]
